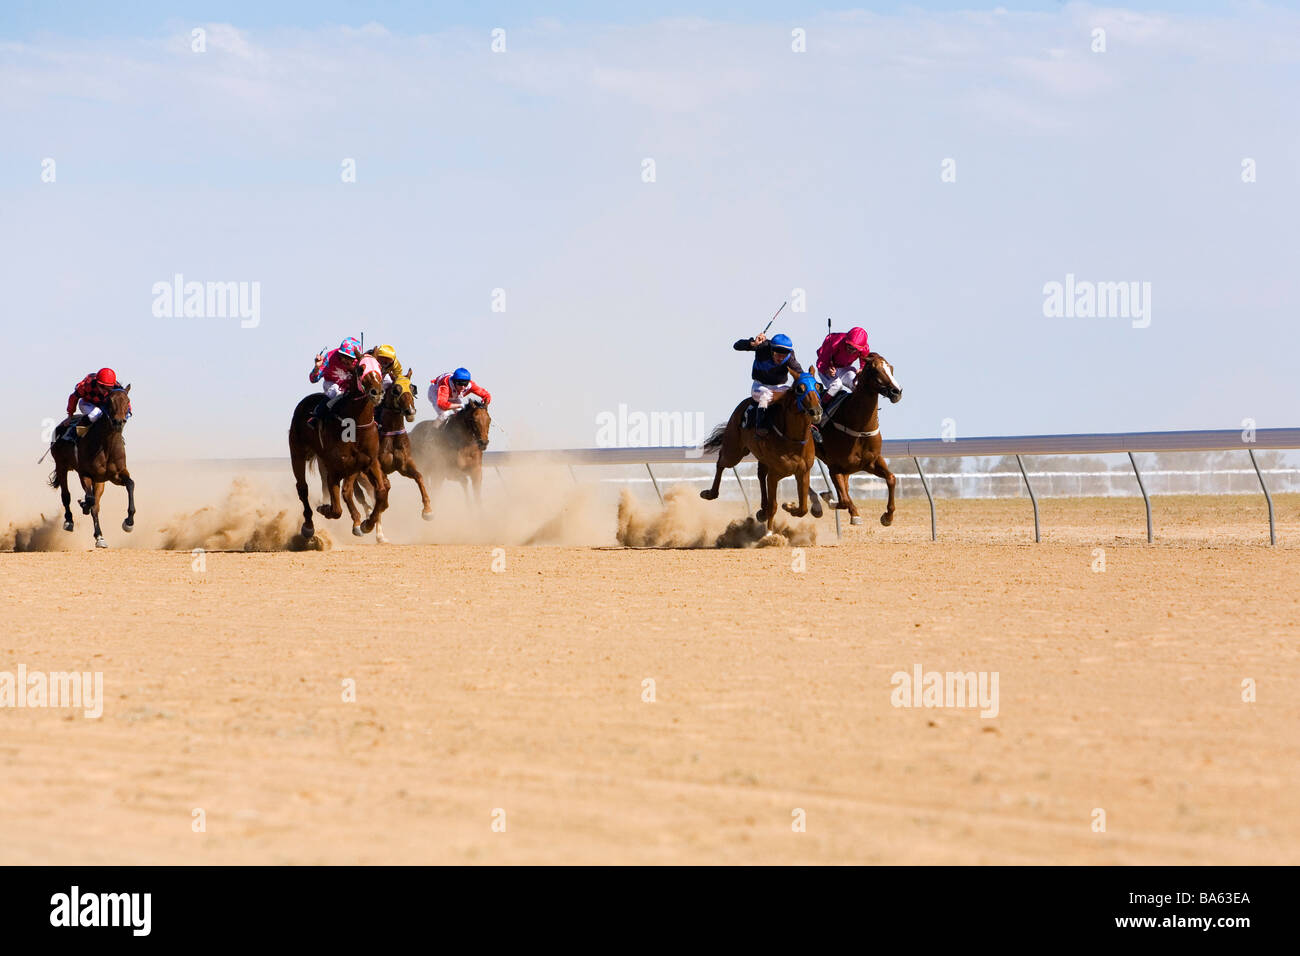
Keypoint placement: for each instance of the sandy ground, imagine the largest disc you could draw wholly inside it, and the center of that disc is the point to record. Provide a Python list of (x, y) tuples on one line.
[(513, 680)]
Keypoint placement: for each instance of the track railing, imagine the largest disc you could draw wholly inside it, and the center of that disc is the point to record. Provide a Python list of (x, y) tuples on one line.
[(1130, 443)]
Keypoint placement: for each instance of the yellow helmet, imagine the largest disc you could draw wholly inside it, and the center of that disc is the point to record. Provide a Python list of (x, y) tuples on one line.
[(386, 354)]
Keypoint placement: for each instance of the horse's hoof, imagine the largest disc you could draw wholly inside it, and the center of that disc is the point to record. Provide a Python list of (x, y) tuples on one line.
[(323, 509), (67, 526), (101, 543), (85, 507), (760, 515), (379, 538), (816, 508), (427, 515), (708, 494), (367, 526), (356, 530), (128, 525), (308, 532), (795, 510), (856, 519), (887, 519)]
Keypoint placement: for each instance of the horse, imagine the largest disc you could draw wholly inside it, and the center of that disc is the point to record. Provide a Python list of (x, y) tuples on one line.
[(397, 407), (786, 450), (852, 442), (453, 451), (343, 443), (99, 456)]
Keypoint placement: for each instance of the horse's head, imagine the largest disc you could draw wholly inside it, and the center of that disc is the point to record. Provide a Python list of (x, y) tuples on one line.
[(370, 379), (401, 397), (806, 397), (118, 407), (878, 375), (477, 421)]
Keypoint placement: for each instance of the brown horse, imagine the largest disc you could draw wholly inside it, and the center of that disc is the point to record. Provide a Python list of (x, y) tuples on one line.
[(99, 456), (852, 441), (397, 408), (453, 451), (343, 442), (786, 450)]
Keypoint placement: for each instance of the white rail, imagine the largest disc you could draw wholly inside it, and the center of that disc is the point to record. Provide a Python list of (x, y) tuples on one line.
[(1012, 445)]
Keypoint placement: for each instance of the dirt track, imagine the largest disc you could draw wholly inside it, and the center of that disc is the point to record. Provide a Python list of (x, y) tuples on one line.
[(522, 690)]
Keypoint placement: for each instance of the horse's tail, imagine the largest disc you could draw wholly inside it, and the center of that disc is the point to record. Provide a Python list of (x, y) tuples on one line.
[(714, 441), (54, 476)]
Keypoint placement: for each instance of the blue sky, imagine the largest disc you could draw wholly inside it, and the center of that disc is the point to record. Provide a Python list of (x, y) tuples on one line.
[(775, 170)]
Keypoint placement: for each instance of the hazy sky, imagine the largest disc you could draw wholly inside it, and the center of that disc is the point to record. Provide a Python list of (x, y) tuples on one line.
[(774, 170)]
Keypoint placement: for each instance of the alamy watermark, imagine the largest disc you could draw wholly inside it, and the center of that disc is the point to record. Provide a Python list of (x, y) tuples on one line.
[(634, 429), (179, 299), (1084, 299), (946, 689), (83, 689)]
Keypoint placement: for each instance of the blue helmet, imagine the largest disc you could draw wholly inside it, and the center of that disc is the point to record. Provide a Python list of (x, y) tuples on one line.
[(782, 341), (460, 375)]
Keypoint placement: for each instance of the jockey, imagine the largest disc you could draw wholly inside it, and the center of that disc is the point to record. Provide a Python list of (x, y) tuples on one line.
[(337, 369), (449, 393), (774, 363), (386, 355), (835, 362), (86, 403)]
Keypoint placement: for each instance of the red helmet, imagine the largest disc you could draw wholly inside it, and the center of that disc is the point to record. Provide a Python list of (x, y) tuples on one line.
[(106, 377)]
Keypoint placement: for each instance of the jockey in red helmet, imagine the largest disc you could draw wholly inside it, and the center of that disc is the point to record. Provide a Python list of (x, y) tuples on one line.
[(86, 403)]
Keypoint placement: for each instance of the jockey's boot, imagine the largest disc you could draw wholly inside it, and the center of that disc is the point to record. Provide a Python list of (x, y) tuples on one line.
[(760, 422), (836, 401)]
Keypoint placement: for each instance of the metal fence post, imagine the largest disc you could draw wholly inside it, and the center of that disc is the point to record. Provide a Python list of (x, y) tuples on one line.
[(655, 483), (1032, 498), (1146, 499), (1272, 530), (934, 531), (742, 491)]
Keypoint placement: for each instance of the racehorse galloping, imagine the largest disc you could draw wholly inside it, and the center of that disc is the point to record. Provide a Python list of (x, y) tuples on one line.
[(343, 443), (786, 450), (99, 456), (453, 451), (852, 441), (395, 453)]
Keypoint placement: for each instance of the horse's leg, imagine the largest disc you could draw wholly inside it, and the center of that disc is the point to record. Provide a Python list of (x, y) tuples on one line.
[(763, 505), (66, 495), (814, 500), (87, 486), (129, 524), (841, 480), (335, 507), (801, 484), (729, 454), (379, 484), (409, 470), (97, 493), (772, 483), (349, 483), (299, 463), (881, 470)]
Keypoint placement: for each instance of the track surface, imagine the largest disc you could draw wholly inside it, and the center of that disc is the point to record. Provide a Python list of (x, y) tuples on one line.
[(521, 689)]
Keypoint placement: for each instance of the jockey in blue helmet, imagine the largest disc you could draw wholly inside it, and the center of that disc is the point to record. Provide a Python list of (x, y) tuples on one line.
[(774, 365)]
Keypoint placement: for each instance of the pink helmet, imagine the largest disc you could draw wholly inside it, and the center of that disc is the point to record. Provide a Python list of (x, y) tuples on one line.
[(858, 337)]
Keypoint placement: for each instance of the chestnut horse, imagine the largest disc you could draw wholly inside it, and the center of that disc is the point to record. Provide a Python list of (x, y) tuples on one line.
[(343, 442), (99, 456), (453, 451), (397, 408), (786, 450), (851, 442)]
